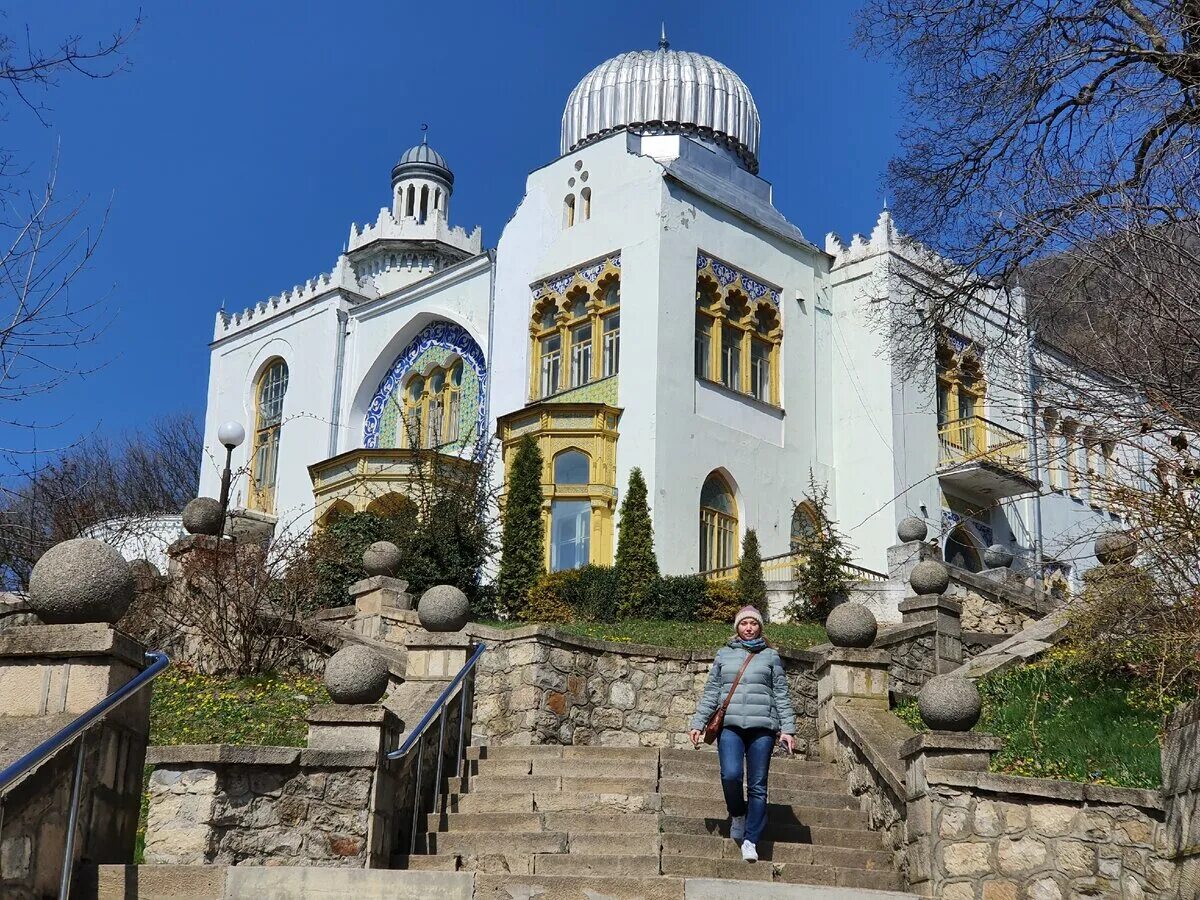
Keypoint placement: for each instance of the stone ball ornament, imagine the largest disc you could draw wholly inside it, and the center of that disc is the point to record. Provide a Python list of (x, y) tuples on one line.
[(1115, 547), (203, 516), (997, 556), (443, 608), (81, 580), (912, 529), (381, 558), (929, 577), (356, 674), (851, 625), (949, 703)]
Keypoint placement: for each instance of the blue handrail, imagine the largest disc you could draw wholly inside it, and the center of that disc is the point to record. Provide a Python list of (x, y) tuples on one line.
[(441, 701), (68, 733)]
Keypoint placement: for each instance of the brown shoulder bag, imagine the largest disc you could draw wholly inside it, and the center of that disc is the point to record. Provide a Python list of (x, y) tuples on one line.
[(712, 728)]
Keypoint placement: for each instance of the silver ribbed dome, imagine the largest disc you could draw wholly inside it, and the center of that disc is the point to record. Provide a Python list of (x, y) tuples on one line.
[(664, 91), (423, 159)]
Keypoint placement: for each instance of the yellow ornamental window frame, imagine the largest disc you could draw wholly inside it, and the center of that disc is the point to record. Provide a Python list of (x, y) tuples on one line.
[(268, 428), (960, 374), (576, 316), (417, 419), (730, 315)]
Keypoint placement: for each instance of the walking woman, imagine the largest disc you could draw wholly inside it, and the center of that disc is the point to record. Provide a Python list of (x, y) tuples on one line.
[(748, 681)]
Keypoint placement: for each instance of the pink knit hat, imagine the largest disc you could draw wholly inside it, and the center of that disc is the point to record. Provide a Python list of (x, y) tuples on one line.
[(748, 612)]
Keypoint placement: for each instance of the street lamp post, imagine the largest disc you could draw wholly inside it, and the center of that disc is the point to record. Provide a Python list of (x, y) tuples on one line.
[(231, 434)]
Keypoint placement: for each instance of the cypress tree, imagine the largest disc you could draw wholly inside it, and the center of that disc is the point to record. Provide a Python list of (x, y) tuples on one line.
[(637, 567), (750, 582), (522, 545)]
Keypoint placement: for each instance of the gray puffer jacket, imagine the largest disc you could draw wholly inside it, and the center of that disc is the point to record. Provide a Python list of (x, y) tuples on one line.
[(761, 699)]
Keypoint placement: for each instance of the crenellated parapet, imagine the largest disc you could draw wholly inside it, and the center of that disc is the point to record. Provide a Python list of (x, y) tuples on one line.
[(435, 228), (883, 238), (341, 278)]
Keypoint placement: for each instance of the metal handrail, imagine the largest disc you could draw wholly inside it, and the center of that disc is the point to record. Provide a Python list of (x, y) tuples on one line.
[(728, 572), (77, 729), (417, 736)]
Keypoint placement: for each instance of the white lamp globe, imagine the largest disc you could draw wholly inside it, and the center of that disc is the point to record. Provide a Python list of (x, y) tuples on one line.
[(231, 434)]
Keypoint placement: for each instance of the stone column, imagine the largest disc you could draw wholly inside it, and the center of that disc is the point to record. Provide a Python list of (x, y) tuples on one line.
[(950, 705), (49, 675), (1181, 792), (929, 580), (912, 549), (434, 656), (851, 674)]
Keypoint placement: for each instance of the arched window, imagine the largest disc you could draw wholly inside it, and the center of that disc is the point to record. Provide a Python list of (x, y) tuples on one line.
[(268, 422), (393, 506), (337, 510), (570, 519), (960, 398), (805, 523), (432, 406), (568, 210), (718, 525), (412, 200), (424, 204), (566, 331), (961, 550), (586, 196), (437, 199)]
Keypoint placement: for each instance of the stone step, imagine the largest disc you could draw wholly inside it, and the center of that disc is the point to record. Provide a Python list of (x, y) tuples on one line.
[(790, 817), (714, 807), (699, 867), (578, 887), (682, 783), (556, 751), (690, 760), (853, 838), (835, 876), (792, 873), (617, 784), (478, 843), (646, 823), (600, 768), (609, 843), (778, 792), (551, 801), (583, 864), (166, 882), (423, 862), (711, 846)]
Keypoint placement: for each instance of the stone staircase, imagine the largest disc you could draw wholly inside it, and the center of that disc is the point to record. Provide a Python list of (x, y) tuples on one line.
[(590, 821)]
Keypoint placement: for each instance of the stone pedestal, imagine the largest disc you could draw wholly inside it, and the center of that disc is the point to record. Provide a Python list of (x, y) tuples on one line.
[(436, 656), (849, 677), (946, 616), (902, 557), (959, 750), (367, 727), (1181, 790), (380, 593)]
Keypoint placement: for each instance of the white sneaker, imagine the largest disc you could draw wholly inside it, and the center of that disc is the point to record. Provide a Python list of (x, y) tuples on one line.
[(749, 852), (737, 828)]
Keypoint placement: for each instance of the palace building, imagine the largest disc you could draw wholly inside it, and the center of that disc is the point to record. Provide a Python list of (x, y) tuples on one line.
[(645, 306)]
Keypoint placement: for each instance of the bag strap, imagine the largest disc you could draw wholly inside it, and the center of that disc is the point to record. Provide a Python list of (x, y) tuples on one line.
[(741, 672)]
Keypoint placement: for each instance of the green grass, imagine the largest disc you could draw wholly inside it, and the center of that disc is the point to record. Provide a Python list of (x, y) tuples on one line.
[(188, 708), (683, 635), (1060, 720)]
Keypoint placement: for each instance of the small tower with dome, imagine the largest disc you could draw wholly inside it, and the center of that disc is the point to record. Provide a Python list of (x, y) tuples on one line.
[(421, 185)]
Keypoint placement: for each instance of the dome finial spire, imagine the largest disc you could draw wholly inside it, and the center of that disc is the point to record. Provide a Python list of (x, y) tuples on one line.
[(424, 132), (663, 44)]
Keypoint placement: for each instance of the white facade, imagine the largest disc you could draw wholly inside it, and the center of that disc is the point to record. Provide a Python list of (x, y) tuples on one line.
[(660, 203)]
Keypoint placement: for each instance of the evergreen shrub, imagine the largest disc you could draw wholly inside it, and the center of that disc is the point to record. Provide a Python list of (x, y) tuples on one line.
[(636, 564), (722, 600), (576, 595), (521, 539), (751, 584)]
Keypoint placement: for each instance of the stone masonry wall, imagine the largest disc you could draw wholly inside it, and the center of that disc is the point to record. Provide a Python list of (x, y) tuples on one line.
[(545, 689), (998, 836), (992, 616), (268, 806)]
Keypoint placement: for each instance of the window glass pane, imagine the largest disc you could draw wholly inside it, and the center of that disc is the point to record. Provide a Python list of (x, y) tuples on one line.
[(452, 427), (731, 358), (551, 364), (416, 387), (437, 381), (703, 345), (612, 294), (548, 316), (579, 308), (273, 386), (571, 467), (581, 355), (612, 344), (456, 374), (435, 422), (943, 403), (570, 529), (760, 370), (715, 495)]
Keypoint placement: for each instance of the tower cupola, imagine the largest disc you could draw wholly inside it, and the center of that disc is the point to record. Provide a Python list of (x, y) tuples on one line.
[(421, 185)]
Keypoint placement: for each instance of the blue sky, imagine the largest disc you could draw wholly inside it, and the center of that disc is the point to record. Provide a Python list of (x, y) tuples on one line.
[(246, 137)]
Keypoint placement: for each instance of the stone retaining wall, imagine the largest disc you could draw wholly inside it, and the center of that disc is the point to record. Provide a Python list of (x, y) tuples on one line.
[(1001, 836), (992, 616)]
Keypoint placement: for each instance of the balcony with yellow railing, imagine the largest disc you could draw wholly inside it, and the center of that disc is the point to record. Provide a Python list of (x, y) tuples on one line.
[(782, 567), (981, 457)]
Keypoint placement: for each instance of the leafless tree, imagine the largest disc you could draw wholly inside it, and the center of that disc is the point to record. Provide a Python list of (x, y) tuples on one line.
[(117, 484), (45, 242)]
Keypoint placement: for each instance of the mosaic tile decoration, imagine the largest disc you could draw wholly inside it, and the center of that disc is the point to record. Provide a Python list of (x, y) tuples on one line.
[(728, 276), (434, 344)]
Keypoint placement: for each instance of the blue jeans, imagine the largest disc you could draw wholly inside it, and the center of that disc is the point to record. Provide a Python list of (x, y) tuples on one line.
[(748, 750)]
